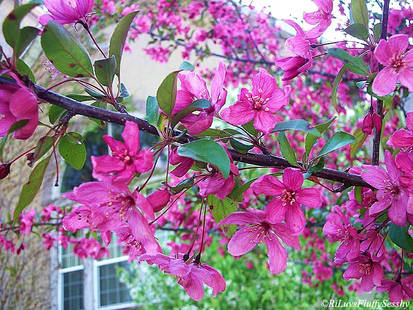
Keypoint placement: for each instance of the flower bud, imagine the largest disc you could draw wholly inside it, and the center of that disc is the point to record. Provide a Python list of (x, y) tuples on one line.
[(377, 122), (367, 124), (4, 170), (159, 199)]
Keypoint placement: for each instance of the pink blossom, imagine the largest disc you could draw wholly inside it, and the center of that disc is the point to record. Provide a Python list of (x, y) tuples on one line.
[(321, 18), (259, 105), (18, 104), (48, 241), (293, 66), (403, 138), (257, 227), (288, 198), (159, 199), (26, 221), (183, 163), (390, 193), (216, 184), (367, 268), (193, 87), (338, 228), (398, 290), (190, 275), (397, 66), (66, 11), (126, 158)]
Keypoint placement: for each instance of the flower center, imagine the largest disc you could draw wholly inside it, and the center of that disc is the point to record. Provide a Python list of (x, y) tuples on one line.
[(364, 268), (258, 102), (398, 63), (287, 197)]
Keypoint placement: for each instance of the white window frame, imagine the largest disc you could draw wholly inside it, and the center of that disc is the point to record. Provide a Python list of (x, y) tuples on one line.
[(60, 293)]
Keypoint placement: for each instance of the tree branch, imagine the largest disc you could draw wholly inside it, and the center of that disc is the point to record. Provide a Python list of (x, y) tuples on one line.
[(75, 107), (376, 141)]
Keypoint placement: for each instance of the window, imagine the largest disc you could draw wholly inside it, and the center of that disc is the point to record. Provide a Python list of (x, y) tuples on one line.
[(71, 281)]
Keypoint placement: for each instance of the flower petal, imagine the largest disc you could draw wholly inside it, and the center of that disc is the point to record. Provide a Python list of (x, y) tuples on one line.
[(293, 179), (309, 197), (277, 254), (244, 240), (385, 82)]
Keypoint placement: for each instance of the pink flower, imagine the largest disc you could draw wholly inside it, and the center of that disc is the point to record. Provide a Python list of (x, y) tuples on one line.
[(288, 198), (390, 193), (26, 221), (338, 228), (190, 275), (403, 138), (321, 18), (293, 66), (259, 105), (66, 11), (17, 104), (398, 290), (159, 199), (183, 163), (398, 67), (216, 184), (257, 227), (126, 159), (193, 87), (368, 269)]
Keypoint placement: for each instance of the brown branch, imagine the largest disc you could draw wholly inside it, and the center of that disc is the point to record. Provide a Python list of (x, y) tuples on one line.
[(75, 107), (376, 141)]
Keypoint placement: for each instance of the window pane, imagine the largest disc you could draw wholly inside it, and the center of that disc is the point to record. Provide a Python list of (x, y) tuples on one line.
[(67, 257), (73, 290), (112, 291)]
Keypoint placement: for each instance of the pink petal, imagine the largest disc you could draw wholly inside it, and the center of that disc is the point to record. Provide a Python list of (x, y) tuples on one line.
[(385, 82), (197, 123), (295, 219), (212, 278), (278, 99), (263, 84), (398, 209), (241, 218), (309, 197), (406, 78), (115, 145), (277, 254), (275, 211), (264, 121), (402, 138), (144, 204), (239, 113), (217, 82), (293, 179), (268, 185), (383, 53), (142, 232), (193, 286), (244, 240), (299, 45), (379, 206), (183, 99), (286, 235), (130, 135), (143, 161), (352, 272), (106, 164), (398, 44), (375, 176), (409, 119)]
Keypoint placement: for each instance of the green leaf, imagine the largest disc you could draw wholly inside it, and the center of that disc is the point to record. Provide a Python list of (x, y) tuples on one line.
[(356, 145), (24, 69), (94, 94), (166, 94), (117, 41), (310, 139), (337, 141), (44, 145), (80, 97), (105, 70), (152, 110), (286, 149), (358, 191), (11, 25), (55, 112), (354, 64), (220, 209), (73, 150), (30, 189), (239, 189), (188, 183), (249, 127), (123, 91), (207, 151), (358, 31), (26, 36), (299, 124), (359, 12), (400, 236), (65, 52), (187, 66), (314, 168), (16, 126), (194, 106), (218, 133), (240, 147), (377, 31), (336, 82)]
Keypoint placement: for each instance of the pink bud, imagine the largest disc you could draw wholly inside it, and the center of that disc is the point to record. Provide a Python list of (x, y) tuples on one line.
[(4, 170), (367, 124), (249, 265), (377, 122), (159, 199)]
